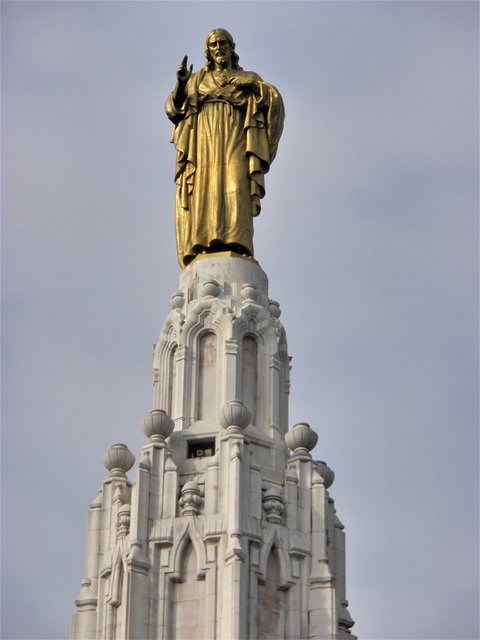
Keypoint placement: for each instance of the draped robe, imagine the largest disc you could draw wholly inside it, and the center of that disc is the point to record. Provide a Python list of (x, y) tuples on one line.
[(226, 139)]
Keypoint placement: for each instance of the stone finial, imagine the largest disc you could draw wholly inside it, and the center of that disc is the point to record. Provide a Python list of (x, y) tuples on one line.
[(118, 460), (157, 425), (87, 599), (234, 416), (123, 521), (301, 439), (190, 500), (273, 505), (345, 621), (327, 474)]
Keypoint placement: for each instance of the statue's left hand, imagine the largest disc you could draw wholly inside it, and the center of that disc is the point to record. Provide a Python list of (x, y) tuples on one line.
[(240, 82)]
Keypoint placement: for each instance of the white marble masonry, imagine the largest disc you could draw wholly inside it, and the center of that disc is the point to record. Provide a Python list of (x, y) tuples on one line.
[(224, 534)]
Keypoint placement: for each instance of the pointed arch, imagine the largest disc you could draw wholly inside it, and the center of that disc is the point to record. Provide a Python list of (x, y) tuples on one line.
[(272, 541), (188, 613), (188, 536), (271, 600)]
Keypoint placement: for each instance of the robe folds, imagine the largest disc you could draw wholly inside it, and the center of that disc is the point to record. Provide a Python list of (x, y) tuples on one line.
[(225, 138)]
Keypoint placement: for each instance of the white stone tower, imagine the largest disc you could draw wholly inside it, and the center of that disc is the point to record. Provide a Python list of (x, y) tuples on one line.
[(224, 533)]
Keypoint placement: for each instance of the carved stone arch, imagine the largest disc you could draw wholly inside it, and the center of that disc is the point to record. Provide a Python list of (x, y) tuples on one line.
[(168, 336), (248, 313), (172, 380), (284, 383), (200, 321), (164, 371), (167, 329), (243, 325), (270, 339), (248, 366), (247, 372), (194, 321), (239, 327), (262, 328), (188, 535), (197, 315), (206, 319), (223, 323), (273, 541), (264, 409), (206, 374), (165, 375)]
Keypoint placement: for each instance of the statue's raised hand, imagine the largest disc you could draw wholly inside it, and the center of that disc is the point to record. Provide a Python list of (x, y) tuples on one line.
[(183, 72)]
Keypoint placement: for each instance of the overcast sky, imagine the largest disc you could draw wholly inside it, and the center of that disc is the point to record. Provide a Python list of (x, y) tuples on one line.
[(368, 234)]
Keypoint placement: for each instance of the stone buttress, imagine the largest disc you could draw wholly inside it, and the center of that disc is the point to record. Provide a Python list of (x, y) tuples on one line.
[(224, 534)]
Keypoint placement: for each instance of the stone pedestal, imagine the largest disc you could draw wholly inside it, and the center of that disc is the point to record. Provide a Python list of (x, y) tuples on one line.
[(224, 533)]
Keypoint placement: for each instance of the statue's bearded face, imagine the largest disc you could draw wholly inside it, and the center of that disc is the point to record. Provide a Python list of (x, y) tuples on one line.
[(220, 49)]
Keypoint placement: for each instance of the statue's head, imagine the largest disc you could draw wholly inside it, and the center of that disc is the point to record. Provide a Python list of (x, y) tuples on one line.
[(231, 44)]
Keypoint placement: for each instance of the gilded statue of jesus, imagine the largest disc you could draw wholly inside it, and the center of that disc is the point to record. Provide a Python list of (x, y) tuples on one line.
[(228, 123)]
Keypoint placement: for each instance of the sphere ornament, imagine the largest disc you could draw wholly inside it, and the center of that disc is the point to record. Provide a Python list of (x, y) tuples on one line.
[(211, 288), (234, 416), (118, 460), (157, 425), (249, 292), (301, 439), (177, 300)]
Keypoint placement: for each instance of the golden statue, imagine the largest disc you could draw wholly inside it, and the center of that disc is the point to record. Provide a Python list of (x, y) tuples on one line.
[(228, 123)]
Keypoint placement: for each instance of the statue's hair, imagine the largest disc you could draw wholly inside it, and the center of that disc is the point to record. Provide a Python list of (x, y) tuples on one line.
[(235, 58)]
